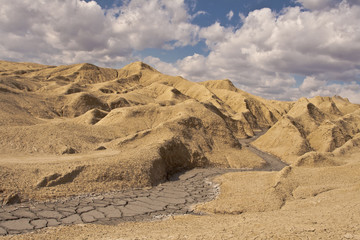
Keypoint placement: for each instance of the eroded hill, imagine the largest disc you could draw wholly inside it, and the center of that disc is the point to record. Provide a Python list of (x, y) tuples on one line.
[(81, 128)]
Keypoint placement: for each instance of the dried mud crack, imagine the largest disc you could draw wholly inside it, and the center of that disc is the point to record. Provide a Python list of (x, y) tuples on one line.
[(171, 198), (175, 197)]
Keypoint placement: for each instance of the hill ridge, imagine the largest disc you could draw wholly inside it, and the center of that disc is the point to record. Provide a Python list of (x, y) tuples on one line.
[(136, 119)]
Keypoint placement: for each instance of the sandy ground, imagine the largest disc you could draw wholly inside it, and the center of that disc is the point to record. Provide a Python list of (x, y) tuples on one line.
[(321, 206), (77, 129)]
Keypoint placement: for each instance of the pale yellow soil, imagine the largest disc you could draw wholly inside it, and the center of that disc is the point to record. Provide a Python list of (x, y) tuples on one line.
[(77, 129), (80, 129), (325, 204)]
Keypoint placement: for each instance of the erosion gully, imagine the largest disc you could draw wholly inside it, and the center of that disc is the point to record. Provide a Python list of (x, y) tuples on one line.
[(174, 197)]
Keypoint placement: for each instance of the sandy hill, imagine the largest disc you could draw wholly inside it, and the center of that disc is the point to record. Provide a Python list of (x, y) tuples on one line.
[(133, 127), (319, 125)]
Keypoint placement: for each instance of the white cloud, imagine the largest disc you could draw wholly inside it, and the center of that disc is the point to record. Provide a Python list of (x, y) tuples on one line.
[(261, 56), (155, 22), (311, 84), (198, 13), (242, 17), (193, 66), (317, 4), (68, 31), (350, 91), (161, 66), (214, 34), (269, 48), (325, 4), (230, 15)]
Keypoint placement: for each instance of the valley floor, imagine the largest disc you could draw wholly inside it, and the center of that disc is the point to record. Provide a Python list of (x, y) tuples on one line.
[(295, 203)]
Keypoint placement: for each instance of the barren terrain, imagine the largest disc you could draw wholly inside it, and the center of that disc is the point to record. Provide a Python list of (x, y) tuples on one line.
[(83, 130)]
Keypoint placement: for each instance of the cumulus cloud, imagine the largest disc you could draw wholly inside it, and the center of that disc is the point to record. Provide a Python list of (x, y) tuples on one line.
[(264, 54), (75, 31), (214, 34), (324, 4), (318, 4), (155, 22), (311, 84), (161, 66), (350, 91), (319, 40)]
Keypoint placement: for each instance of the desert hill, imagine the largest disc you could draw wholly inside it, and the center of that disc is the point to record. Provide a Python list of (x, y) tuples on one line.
[(321, 124), (133, 127)]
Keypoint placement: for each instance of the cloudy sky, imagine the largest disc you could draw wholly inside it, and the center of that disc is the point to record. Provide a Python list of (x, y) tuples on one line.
[(278, 49)]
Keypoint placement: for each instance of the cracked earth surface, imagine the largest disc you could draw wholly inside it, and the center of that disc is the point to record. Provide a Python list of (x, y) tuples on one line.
[(175, 197)]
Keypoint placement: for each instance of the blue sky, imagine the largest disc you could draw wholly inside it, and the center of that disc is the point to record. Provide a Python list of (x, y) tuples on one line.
[(277, 49), (218, 9), (213, 11)]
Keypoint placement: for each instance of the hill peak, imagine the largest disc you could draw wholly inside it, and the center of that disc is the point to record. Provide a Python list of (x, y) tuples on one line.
[(88, 66), (139, 66), (221, 84)]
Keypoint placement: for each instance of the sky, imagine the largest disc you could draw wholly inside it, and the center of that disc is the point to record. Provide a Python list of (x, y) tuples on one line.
[(277, 49)]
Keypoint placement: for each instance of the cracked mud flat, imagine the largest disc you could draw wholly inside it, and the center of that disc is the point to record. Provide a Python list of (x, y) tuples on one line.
[(175, 197), (171, 198)]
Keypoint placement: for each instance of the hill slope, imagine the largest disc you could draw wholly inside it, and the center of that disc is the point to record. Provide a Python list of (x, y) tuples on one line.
[(133, 127), (321, 124)]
